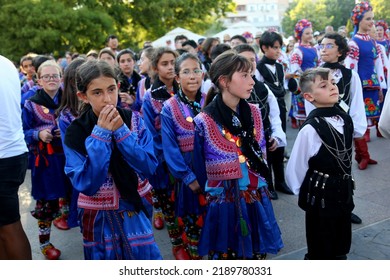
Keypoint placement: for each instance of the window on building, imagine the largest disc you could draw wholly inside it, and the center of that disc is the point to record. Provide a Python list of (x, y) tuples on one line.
[(240, 8)]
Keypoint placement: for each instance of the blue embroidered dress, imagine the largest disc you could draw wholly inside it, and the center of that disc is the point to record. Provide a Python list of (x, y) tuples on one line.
[(48, 180), (111, 227), (302, 58), (151, 109), (64, 120), (234, 191), (178, 131), (363, 58)]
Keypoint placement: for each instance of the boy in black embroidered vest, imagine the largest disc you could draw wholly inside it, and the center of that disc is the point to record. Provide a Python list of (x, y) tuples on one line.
[(319, 169), (272, 74), (333, 50), (263, 97)]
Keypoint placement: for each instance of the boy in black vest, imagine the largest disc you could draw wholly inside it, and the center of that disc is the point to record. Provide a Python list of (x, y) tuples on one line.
[(333, 50), (319, 168), (272, 74)]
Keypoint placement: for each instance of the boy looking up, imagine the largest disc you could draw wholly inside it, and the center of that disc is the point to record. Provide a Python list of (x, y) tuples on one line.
[(319, 169)]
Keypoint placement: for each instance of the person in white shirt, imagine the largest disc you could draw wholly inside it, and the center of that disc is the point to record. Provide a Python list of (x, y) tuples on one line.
[(14, 243), (333, 50), (320, 169)]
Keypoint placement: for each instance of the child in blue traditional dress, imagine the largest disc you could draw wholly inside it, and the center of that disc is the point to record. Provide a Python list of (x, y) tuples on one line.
[(106, 149), (146, 72), (178, 131), (69, 110), (304, 56), (240, 222), (48, 180), (128, 78), (163, 88)]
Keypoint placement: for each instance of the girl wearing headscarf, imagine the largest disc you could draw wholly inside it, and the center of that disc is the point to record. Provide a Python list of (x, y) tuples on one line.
[(303, 57), (378, 33), (364, 58), (382, 38)]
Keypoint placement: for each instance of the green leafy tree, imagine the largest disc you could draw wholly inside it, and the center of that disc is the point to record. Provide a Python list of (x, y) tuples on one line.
[(306, 9), (336, 13), (47, 28), (54, 26), (340, 10), (381, 9), (152, 19), (288, 22)]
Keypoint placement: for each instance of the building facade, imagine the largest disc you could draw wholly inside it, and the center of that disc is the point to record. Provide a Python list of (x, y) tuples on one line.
[(263, 14)]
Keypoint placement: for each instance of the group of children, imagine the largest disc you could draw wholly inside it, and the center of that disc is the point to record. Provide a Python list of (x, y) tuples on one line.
[(106, 150), (115, 145)]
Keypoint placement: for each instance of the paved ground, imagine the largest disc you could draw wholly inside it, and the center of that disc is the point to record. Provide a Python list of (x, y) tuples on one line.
[(371, 239)]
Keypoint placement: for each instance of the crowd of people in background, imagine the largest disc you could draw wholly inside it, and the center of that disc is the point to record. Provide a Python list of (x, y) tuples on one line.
[(192, 137)]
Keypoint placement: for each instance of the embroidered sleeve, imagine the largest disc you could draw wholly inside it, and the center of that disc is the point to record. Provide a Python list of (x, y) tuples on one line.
[(88, 173), (380, 67), (137, 148), (31, 128), (150, 119), (296, 61), (351, 61), (172, 154)]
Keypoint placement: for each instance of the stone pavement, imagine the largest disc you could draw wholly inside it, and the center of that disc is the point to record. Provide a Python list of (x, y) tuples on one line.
[(370, 241)]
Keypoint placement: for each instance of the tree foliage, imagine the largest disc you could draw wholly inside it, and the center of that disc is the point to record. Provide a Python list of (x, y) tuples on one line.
[(341, 11), (381, 9), (306, 9), (55, 26), (328, 12)]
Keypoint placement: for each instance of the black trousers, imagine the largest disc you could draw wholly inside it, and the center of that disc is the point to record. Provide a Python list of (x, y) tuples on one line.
[(12, 173), (275, 161), (328, 238)]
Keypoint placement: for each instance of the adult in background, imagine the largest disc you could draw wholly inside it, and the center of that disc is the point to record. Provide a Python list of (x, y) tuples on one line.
[(179, 40), (238, 40), (329, 28), (113, 43), (190, 46), (14, 244), (364, 58)]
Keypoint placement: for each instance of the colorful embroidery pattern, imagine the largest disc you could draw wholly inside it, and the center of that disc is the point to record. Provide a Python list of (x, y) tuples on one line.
[(359, 11), (373, 81), (372, 109)]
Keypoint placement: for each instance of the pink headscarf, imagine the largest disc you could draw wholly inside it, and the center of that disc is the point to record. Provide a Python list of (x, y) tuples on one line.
[(300, 27)]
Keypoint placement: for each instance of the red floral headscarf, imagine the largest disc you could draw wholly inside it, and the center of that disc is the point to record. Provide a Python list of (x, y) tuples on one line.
[(300, 27), (382, 23), (358, 13)]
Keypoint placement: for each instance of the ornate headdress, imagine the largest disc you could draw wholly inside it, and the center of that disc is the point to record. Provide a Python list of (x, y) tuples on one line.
[(300, 27), (358, 13), (247, 35), (382, 23)]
